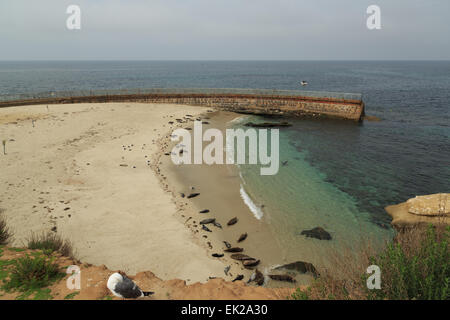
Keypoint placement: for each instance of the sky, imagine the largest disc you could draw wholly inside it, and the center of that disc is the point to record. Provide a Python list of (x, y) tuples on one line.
[(225, 30)]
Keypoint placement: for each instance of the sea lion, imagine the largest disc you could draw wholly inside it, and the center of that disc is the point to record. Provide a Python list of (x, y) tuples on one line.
[(235, 249), (250, 263), (282, 277), (227, 268), (241, 257), (204, 211), (193, 195), (208, 221), (217, 255), (259, 278), (206, 228), (232, 221), (238, 278), (182, 195), (228, 245), (242, 237)]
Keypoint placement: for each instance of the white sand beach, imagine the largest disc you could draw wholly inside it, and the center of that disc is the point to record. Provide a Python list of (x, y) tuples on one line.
[(83, 168)]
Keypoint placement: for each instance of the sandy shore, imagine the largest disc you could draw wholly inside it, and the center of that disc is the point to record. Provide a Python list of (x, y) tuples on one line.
[(83, 171)]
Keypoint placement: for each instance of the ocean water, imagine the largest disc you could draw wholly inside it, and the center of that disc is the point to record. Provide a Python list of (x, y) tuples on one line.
[(339, 175)]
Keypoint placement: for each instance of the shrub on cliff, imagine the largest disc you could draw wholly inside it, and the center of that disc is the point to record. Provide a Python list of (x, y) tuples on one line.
[(5, 233), (32, 273), (50, 242), (416, 265)]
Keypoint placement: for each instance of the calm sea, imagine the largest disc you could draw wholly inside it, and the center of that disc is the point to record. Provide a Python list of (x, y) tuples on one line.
[(338, 175)]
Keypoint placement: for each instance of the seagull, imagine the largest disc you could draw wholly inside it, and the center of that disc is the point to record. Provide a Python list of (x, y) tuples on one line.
[(123, 287), (304, 83)]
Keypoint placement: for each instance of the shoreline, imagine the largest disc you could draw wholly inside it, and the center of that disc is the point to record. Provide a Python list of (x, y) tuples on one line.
[(81, 170)]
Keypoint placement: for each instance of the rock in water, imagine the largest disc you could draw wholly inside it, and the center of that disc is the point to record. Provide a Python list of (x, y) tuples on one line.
[(300, 267), (232, 221), (238, 278), (206, 228), (208, 221), (318, 233), (242, 237), (193, 195), (235, 249), (282, 277), (228, 245)]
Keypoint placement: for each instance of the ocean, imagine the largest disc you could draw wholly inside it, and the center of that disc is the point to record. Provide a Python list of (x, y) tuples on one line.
[(339, 175)]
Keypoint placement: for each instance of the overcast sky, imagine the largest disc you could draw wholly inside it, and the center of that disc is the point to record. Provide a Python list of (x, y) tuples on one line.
[(224, 30)]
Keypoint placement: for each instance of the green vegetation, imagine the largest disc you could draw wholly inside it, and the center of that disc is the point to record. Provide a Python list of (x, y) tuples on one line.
[(5, 233), (30, 274), (49, 243), (416, 265), (72, 295)]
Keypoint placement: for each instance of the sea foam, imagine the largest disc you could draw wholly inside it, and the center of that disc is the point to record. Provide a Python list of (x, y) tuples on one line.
[(257, 212)]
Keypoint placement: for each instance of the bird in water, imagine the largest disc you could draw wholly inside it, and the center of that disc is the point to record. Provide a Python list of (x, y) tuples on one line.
[(304, 83), (123, 287)]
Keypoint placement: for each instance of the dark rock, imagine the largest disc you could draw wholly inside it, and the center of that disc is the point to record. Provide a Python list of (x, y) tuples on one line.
[(268, 124), (282, 277), (300, 267), (242, 237), (318, 233), (232, 221)]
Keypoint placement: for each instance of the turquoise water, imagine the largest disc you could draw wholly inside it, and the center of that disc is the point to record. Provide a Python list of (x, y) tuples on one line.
[(300, 197)]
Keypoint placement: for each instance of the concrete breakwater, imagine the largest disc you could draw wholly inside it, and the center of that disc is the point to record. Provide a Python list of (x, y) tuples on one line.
[(251, 101)]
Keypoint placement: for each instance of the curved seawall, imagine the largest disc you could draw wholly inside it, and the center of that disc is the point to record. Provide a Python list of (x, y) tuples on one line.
[(252, 101)]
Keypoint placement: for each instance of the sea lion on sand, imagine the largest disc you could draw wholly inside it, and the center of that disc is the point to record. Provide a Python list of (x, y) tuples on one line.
[(242, 237), (235, 249), (204, 211), (232, 221), (206, 228), (250, 263), (217, 255), (193, 195), (241, 257), (207, 221), (238, 278)]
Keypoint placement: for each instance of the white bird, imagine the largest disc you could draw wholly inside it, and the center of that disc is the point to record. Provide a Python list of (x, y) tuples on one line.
[(123, 287), (304, 83)]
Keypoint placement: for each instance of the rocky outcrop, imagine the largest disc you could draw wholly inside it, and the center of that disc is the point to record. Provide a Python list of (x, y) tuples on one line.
[(421, 210), (317, 233)]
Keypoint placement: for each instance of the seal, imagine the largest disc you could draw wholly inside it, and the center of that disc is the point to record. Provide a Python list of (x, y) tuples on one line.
[(232, 221), (242, 237)]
